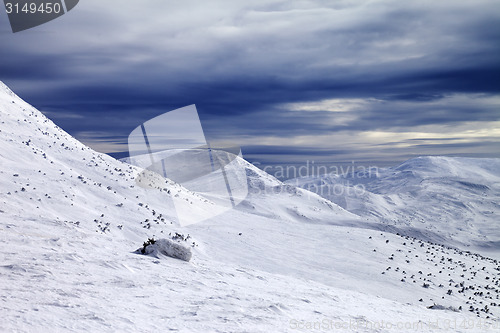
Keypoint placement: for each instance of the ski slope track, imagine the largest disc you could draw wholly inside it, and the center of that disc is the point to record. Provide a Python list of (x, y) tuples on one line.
[(71, 220)]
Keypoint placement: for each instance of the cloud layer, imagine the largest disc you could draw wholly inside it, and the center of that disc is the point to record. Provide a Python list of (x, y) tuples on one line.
[(287, 80)]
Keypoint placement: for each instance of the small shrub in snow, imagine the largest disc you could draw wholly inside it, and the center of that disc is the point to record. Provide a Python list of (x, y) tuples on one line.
[(150, 241), (167, 247)]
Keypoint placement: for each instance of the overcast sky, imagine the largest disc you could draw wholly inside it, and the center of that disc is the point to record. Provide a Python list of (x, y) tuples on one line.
[(288, 81)]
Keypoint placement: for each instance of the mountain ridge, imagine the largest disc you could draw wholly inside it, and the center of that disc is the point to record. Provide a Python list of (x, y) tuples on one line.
[(455, 197)]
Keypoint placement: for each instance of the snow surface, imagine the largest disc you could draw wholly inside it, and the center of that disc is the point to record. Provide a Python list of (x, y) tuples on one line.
[(285, 259)]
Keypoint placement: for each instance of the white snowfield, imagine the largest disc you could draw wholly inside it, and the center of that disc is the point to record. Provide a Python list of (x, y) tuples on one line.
[(285, 260)]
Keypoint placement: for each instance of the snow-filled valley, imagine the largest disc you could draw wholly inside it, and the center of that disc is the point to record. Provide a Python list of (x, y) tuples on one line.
[(416, 251)]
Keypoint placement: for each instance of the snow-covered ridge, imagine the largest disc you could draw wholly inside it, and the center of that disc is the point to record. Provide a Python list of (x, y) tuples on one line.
[(54, 176)]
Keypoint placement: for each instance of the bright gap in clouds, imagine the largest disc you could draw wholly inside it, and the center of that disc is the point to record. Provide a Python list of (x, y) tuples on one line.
[(393, 141)]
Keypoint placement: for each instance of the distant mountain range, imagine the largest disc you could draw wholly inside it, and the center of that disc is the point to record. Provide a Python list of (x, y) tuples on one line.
[(451, 200)]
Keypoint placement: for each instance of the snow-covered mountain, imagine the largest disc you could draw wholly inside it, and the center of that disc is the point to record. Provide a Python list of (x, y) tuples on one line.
[(451, 200), (284, 259)]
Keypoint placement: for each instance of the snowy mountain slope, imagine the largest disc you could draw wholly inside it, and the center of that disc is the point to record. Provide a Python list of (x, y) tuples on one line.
[(271, 235), (71, 218), (270, 197), (455, 201), (267, 196), (56, 177), (70, 282), (366, 261)]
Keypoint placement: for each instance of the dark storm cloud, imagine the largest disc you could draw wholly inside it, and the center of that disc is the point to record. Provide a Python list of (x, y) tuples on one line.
[(244, 64)]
